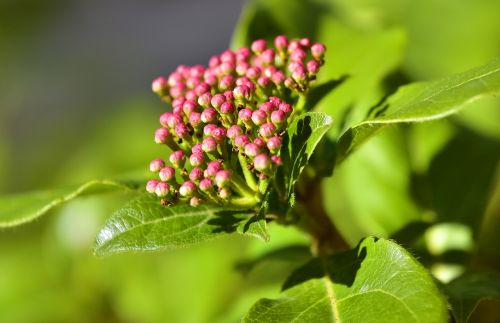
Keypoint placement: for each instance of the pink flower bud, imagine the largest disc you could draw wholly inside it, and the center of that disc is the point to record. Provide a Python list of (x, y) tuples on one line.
[(318, 50), (243, 53), (299, 74), (285, 107), (159, 85), (174, 78), (206, 185), (209, 115), (195, 201), (177, 158), (214, 61), (290, 83), (196, 159), (177, 90), (156, 165), (219, 134), (226, 82), (267, 130), (177, 103), (224, 193), (274, 144), (166, 173), (276, 160), (192, 82), (241, 140), (259, 117), (275, 101), (227, 107), (205, 99), (161, 135), (267, 56), (242, 68), (196, 149), (202, 88), (151, 185), (196, 174), (229, 95), (228, 56), (207, 130), (259, 142), (181, 130), (253, 73), (251, 150), (209, 145), (263, 81), (187, 189), (227, 68), (259, 46), (234, 131), (162, 189), (262, 162), (222, 178), (305, 42), (293, 45), (278, 117), (170, 119), (313, 67), (218, 100), (242, 92), (191, 96), (294, 65), (281, 43), (278, 77), (245, 115), (212, 168), (267, 107), (195, 119), (269, 71), (197, 71)]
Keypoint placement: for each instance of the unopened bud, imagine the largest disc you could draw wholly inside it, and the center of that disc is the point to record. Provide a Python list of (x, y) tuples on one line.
[(274, 144), (212, 168), (187, 189), (276, 160), (267, 130), (156, 165), (241, 140), (262, 162), (209, 145), (159, 85), (206, 185), (195, 201), (251, 149), (196, 159), (162, 189), (313, 67), (151, 185), (224, 193), (161, 135), (278, 117), (205, 99), (318, 51), (196, 174), (209, 115), (166, 173), (177, 158), (242, 92), (259, 46), (234, 131), (222, 178), (259, 117), (207, 130), (245, 115), (281, 43), (226, 108), (218, 100)]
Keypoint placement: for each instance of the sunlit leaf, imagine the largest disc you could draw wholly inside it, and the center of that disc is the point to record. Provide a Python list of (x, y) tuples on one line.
[(379, 281), (145, 225), (424, 102), (17, 209)]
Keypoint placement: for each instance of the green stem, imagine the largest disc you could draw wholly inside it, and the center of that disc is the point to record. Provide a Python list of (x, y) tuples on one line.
[(245, 201), (240, 185), (249, 177)]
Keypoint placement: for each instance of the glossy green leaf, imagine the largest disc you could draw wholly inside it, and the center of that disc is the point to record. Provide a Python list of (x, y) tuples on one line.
[(303, 135), (379, 281), (144, 224), (468, 290), (17, 209), (424, 102)]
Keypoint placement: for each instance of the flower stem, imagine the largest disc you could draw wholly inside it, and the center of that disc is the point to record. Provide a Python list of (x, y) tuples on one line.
[(249, 177)]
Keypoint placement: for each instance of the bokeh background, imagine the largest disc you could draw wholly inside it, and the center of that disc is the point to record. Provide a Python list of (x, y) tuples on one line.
[(75, 104)]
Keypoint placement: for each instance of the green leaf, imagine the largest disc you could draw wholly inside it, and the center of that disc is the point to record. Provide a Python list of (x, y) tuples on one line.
[(255, 226), (303, 135), (468, 290), (145, 225), (379, 281), (424, 102), (17, 209)]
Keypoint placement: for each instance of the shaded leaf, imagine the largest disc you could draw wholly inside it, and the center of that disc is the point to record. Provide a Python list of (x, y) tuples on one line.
[(379, 281), (145, 225), (17, 209), (468, 290), (424, 102)]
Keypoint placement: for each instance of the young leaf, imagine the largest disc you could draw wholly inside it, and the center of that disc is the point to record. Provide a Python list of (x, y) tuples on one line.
[(17, 209), (145, 225), (424, 102), (303, 134), (468, 290), (379, 281)]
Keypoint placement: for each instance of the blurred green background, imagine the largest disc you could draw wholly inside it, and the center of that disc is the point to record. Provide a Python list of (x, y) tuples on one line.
[(75, 104)]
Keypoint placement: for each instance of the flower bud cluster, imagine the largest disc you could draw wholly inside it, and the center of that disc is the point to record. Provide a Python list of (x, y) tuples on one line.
[(227, 121)]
